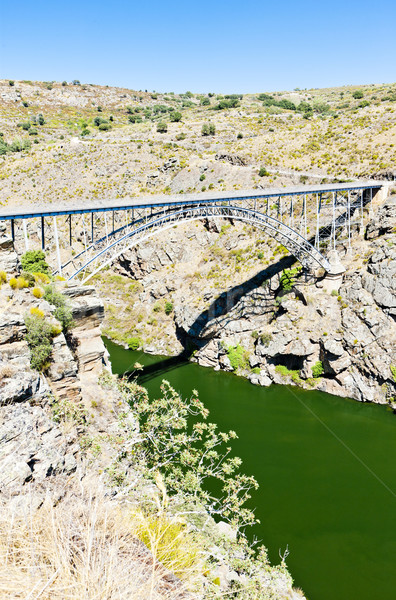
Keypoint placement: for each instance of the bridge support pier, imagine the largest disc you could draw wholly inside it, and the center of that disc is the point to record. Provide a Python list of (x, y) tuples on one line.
[(334, 276)]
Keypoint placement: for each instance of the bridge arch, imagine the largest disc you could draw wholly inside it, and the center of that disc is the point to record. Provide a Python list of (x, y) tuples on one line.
[(104, 252)]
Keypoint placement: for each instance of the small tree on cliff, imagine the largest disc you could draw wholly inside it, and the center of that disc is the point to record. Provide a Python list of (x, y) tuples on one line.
[(179, 445)]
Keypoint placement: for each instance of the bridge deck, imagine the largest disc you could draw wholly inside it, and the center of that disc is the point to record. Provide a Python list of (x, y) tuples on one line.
[(180, 199)]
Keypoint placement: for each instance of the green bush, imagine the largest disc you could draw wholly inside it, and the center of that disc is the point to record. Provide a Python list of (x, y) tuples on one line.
[(208, 129), (104, 127), (19, 145), (317, 369), (33, 261), (263, 172), (288, 278), (40, 119), (175, 116), (162, 127), (168, 307), (63, 311), (39, 339), (238, 357), (358, 94), (134, 343)]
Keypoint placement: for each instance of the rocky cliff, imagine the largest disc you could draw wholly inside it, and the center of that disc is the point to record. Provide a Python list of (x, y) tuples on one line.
[(223, 283)]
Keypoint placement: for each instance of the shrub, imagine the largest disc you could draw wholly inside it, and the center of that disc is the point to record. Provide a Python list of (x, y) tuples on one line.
[(63, 312), (184, 457), (22, 283), (134, 343), (33, 261), (37, 292), (37, 312), (29, 278), (263, 172), (19, 145), (3, 277), (11, 82), (202, 178), (33, 131), (85, 132), (104, 127), (288, 278), (175, 117), (41, 278), (208, 129), (240, 136), (265, 338), (358, 94), (40, 119), (393, 371), (317, 369), (13, 283), (238, 357), (162, 127), (168, 307), (39, 339)]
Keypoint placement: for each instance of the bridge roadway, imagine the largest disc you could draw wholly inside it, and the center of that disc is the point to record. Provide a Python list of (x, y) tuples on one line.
[(49, 210)]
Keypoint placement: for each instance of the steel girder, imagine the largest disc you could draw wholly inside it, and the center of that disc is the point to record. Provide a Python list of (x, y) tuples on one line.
[(104, 253)]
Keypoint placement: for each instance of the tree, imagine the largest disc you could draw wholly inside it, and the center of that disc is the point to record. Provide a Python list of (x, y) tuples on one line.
[(175, 116), (162, 127), (358, 94), (179, 445), (33, 261), (208, 129)]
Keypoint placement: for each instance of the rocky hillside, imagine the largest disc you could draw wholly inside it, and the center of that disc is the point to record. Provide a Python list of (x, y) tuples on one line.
[(72, 497), (64, 141), (220, 298)]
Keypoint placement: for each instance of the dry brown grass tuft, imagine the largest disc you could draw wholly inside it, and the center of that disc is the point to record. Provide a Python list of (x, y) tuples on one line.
[(82, 548)]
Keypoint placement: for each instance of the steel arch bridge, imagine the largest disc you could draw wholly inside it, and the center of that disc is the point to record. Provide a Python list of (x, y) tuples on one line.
[(286, 214), (106, 253)]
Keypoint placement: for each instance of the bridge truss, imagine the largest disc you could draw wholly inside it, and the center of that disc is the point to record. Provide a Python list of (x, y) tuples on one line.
[(308, 220)]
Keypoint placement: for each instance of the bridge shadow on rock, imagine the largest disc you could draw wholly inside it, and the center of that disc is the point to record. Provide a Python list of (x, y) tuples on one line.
[(223, 304)]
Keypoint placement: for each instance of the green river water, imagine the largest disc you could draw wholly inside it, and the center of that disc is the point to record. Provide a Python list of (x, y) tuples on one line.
[(326, 469)]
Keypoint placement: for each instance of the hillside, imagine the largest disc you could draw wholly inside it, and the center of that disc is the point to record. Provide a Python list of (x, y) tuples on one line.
[(299, 136)]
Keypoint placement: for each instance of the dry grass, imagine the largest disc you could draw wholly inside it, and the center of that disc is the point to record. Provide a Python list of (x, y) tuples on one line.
[(85, 548)]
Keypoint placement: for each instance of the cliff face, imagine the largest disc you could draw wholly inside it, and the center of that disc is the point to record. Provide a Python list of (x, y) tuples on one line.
[(32, 445), (339, 337), (60, 431)]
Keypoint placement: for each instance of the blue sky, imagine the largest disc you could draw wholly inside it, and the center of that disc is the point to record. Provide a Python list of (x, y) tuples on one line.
[(200, 46)]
